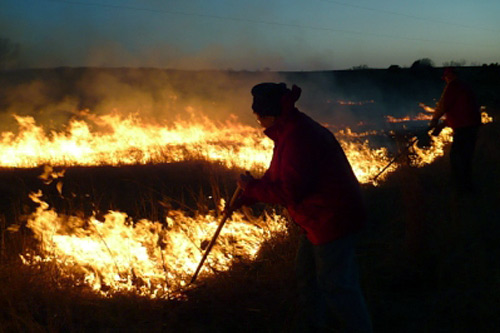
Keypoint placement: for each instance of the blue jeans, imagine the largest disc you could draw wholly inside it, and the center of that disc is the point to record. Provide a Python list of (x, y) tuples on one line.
[(330, 296)]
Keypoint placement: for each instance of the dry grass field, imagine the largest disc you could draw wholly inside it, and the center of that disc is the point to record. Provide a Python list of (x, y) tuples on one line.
[(428, 258)]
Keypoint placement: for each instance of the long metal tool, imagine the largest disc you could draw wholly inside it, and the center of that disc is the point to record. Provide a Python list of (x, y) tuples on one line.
[(405, 150), (227, 214), (395, 158)]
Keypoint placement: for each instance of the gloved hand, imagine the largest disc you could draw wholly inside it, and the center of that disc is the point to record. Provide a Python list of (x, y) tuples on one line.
[(433, 123), (438, 128), (244, 180), (241, 201)]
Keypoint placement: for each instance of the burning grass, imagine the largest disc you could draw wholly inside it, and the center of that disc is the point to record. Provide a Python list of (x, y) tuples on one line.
[(92, 140), (113, 253), (424, 266), (427, 259), (59, 286), (436, 258), (148, 258)]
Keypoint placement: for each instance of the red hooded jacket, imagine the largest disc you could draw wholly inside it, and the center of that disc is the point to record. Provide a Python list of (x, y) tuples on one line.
[(310, 176), (459, 105)]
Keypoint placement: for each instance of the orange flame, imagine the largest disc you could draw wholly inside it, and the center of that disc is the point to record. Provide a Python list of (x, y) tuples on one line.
[(418, 117), (151, 258), (132, 141), (143, 257), (426, 107)]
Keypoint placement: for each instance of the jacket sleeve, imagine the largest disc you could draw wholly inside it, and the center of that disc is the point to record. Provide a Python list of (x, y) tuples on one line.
[(446, 101), (296, 174), (440, 108)]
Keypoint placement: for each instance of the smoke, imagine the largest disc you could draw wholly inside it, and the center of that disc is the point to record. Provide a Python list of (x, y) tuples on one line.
[(9, 53), (55, 96)]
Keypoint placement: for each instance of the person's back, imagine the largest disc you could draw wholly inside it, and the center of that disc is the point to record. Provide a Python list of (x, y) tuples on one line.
[(460, 105), (330, 204)]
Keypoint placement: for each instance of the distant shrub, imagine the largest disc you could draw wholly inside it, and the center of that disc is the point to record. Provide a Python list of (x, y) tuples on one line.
[(455, 63), (394, 68), (422, 63), (359, 67), (492, 65)]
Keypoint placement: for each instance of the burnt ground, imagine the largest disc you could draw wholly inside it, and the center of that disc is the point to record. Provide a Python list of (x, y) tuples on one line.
[(428, 259)]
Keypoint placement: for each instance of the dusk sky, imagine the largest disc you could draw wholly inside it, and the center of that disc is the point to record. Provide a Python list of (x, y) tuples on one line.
[(251, 35)]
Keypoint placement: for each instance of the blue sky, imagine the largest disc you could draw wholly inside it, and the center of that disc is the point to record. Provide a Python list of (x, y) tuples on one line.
[(257, 34)]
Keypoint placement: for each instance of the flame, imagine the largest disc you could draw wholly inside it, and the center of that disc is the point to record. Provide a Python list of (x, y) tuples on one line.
[(147, 258), (425, 156), (419, 117), (349, 133), (426, 107), (152, 258), (485, 117), (130, 140)]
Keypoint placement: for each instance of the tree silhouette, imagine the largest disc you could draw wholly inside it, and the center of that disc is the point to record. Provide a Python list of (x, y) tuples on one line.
[(455, 63), (422, 63)]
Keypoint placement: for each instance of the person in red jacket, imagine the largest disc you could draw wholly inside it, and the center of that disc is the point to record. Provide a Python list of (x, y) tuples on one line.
[(459, 106), (310, 175)]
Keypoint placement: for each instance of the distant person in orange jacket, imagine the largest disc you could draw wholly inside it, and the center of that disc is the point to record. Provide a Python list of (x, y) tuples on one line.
[(459, 106), (310, 175)]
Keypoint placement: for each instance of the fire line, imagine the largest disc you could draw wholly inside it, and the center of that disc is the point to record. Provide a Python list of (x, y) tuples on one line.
[(153, 258)]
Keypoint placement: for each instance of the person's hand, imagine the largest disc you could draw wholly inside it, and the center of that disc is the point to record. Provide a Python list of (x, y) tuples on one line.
[(240, 201), (433, 123), (438, 128), (244, 180)]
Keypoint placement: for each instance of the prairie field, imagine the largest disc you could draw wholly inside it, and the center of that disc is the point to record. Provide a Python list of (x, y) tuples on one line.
[(428, 257)]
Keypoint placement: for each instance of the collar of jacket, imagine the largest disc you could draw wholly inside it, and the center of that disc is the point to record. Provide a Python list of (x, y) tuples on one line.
[(274, 132), (455, 79)]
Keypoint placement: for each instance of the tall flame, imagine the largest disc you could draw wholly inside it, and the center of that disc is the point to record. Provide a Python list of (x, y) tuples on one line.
[(144, 257), (130, 140), (153, 258)]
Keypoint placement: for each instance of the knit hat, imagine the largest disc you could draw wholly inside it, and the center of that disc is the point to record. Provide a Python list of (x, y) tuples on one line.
[(270, 98)]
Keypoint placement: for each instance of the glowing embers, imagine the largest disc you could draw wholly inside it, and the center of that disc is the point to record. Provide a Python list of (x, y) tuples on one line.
[(143, 257)]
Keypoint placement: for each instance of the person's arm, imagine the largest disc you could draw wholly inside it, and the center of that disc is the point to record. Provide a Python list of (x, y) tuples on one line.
[(440, 109), (446, 102), (296, 176)]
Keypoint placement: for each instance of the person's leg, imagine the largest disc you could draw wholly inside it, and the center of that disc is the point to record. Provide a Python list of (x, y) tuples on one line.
[(455, 159), (339, 282), (469, 146), (308, 292), (461, 156)]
